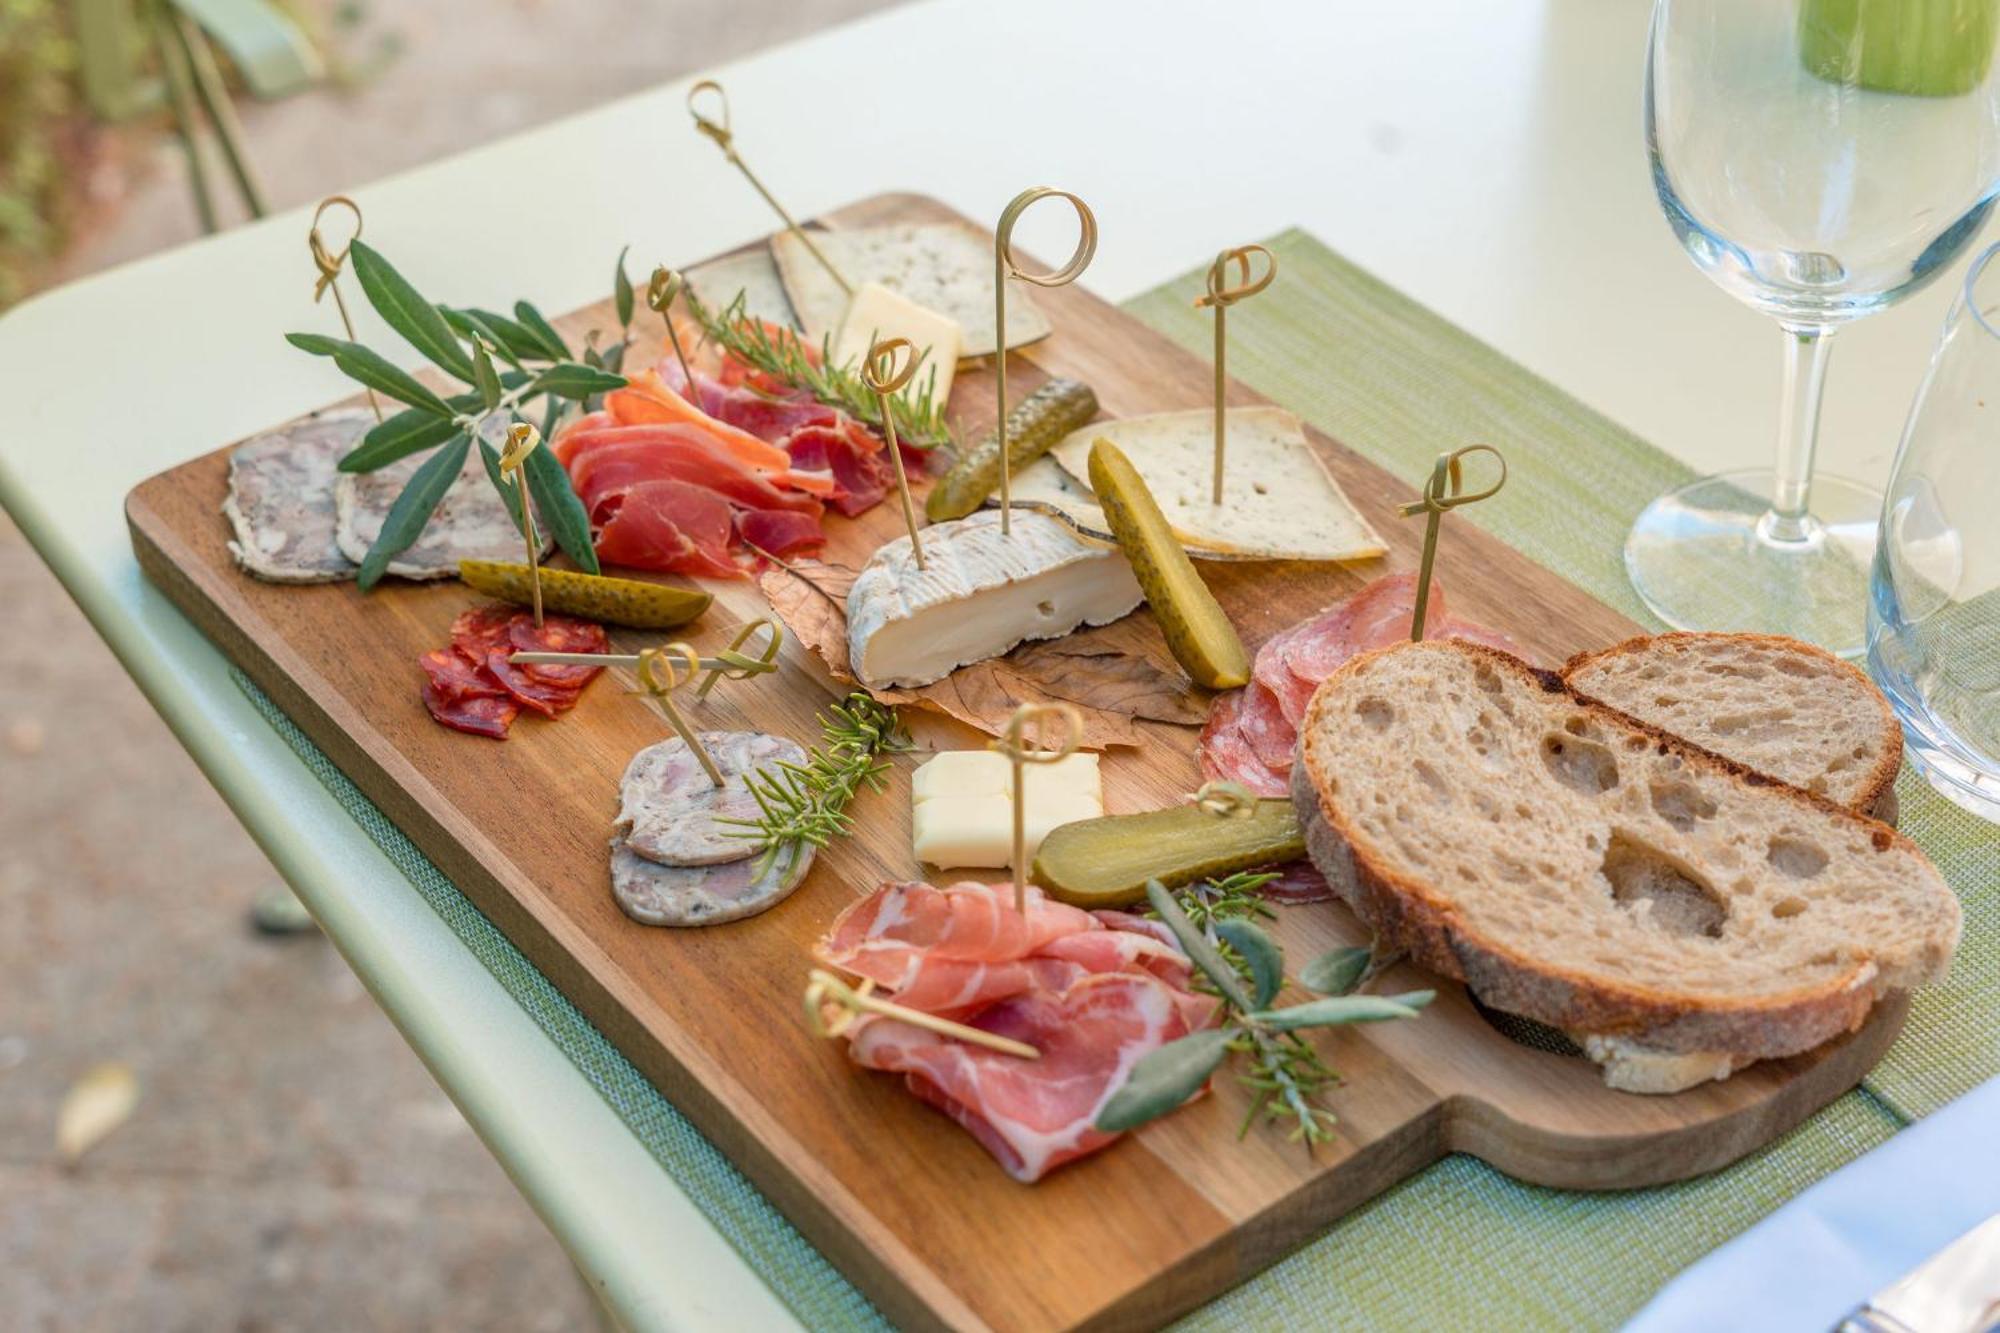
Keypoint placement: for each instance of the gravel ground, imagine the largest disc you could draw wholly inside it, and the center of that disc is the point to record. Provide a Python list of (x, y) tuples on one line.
[(290, 1164)]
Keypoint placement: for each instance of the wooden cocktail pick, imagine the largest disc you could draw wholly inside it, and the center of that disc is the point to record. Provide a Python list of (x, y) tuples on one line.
[(1004, 268), (665, 285), (1014, 742), (730, 663), (881, 373), (1221, 296), (522, 440), (1445, 490), (733, 664), (329, 262), (680, 663), (826, 991), (718, 130)]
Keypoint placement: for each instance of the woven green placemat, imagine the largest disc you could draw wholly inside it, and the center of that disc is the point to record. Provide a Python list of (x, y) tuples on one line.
[(1460, 1244)]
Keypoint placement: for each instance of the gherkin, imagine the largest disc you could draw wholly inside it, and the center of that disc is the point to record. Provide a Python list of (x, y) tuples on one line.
[(598, 597)]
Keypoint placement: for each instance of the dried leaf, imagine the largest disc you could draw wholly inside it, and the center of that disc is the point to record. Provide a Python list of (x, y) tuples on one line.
[(96, 1104), (1098, 670)]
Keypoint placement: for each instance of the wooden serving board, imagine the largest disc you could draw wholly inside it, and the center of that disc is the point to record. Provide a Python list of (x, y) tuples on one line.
[(905, 1202)]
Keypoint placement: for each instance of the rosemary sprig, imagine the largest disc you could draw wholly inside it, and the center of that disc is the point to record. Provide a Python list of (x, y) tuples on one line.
[(805, 805), (1233, 897), (920, 419), (1284, 1073)]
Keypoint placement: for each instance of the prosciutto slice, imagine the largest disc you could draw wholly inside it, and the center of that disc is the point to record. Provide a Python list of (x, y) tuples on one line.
[(605, 461), (1033, 1115), (670, 525)]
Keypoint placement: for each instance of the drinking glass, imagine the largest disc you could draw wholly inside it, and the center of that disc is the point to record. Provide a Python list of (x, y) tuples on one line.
[(1934, 612), (1818, 160)]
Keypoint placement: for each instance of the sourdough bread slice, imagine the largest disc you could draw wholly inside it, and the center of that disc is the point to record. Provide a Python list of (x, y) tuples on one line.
[(1773, 704), (1575, 866)]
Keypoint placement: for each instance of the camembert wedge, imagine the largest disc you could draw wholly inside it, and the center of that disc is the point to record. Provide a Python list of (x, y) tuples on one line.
[(981, 593)]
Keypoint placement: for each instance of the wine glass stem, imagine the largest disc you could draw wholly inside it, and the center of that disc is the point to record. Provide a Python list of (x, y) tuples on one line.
[(1789, 518)]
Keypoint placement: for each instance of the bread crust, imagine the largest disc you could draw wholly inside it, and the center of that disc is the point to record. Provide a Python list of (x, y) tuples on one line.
[(1878, 796), (1407, 915)]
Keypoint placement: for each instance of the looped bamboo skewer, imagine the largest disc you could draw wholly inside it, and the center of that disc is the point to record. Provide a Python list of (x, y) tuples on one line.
[(885, 374), (719, 133), (661, 289), (1013, 743), (1221, 296), (727, 668), (329, 263), (522, 440), (1225, 800), (824, 990), (1005, 267), (676, 656), (1444, 491)]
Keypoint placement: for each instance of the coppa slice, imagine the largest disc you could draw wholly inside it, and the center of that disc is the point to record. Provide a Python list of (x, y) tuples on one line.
[(669, 812), (280, 501), (657, 895)]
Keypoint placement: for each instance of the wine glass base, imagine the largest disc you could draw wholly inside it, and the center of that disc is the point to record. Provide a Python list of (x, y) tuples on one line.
[(1711, 556)]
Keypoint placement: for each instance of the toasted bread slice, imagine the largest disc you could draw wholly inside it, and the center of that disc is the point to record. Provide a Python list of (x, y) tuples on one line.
[(1773, 704), (1578, 867)]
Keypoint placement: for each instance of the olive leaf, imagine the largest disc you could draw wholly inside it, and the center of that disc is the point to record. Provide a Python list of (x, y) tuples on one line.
[(372, 369), (1336, 972), (545, 334), (510, 495), (621, 292), (413, 508), (403, 309), (1260, 953), (406, 433), (473, 327), (557, 505), (484, 378), (573, 379), (1196, 946), (1163, 1079), (519, 341), (1335, 1010)]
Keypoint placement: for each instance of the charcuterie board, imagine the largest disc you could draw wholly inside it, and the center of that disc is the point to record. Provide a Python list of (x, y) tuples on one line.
[(904, 1202)]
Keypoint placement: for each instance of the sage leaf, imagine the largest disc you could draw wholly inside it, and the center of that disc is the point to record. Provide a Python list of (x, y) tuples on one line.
[(1260, 952), (1196, 946), (573, 379), (484, 377), (509, 495), (413, 508), (372, 369), (1336, 1010), (545, 333), (621, 292), (408, 432), (1165, 1078), (1336, 972), (403, 309), (557, 506)]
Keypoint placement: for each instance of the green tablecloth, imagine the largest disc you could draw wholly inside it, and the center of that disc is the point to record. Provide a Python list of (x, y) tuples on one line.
[(1461, 1244)]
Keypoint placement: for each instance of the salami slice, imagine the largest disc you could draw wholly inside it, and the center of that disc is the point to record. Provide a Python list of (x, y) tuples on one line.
[(558, 634), (478, 630), (1273, 674), (671, 813), (477, 714), (1297, 883), (453, 677), (1471, 632), (1227, 757), (658, 895), (1271, 738), (544, 698)]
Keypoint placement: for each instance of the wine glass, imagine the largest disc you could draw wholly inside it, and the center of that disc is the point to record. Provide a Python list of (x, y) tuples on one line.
[(1818, 160), (1934, 617)]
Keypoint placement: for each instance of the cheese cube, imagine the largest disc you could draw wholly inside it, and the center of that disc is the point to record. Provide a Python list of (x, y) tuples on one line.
[(963, 814), (876, 311)]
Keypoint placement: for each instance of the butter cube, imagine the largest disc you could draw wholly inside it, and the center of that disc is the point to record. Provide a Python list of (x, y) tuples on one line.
[(875, 311)]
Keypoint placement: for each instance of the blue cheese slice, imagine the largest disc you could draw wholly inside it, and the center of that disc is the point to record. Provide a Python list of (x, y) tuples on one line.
[(981, 594)]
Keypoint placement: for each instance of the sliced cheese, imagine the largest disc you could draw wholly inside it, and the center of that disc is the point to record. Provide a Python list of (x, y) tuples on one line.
[(753, 275), (963, 812), (1278, 503), (981, 593), (877, 312)]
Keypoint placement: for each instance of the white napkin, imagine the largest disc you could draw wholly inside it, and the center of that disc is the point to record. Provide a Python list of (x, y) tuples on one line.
[(1855, 1232)]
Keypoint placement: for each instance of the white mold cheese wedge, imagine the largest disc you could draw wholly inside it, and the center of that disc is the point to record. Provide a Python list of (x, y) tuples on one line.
[(1278, 500), (981, 593), (962, 807), (877, 312)]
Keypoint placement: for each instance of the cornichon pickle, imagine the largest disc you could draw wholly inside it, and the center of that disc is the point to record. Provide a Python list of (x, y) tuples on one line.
[(592, 596), (1200, 635), (1106, 862), (1033, 428)]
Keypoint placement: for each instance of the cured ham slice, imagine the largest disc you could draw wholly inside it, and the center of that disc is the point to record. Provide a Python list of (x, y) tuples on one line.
[(852, 455), (1033, 1115), (670, 525), (778, 532), (770, 416), (604, 462), (647, 401)]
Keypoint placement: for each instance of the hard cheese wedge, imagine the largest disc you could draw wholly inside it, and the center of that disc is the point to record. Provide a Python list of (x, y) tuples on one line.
[(1279, 502), (980, 593), (962, 812), (877, 312)]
